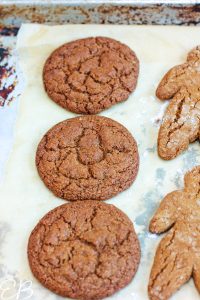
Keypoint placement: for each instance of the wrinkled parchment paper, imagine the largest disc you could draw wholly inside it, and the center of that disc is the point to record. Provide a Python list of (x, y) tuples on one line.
[(23, 197)]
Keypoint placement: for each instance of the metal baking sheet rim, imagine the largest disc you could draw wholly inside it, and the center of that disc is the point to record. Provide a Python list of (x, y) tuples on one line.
[(14, 13), (96, 2)]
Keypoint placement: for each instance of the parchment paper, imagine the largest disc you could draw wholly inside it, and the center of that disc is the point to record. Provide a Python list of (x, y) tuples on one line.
[(23, 197)]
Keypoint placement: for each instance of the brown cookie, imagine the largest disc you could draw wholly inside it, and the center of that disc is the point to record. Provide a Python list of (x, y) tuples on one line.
[(89, 75), (178, 255), (84, 250), (89, 157), (181, 121)]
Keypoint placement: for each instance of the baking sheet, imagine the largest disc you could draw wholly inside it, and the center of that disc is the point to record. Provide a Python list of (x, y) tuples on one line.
[(23, 197), (160, 12)]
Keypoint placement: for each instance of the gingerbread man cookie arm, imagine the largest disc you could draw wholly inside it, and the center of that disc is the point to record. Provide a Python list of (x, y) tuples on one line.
[(165, 216), (176, 77), (172, 268), (170, 83)]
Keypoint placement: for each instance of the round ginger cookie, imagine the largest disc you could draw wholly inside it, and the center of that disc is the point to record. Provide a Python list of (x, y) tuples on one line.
[(89, 75), (84, 250), (88, 157)]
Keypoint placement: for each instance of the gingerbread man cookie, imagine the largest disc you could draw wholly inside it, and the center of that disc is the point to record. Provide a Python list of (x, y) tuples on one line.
[(177, 258), (181, 122)]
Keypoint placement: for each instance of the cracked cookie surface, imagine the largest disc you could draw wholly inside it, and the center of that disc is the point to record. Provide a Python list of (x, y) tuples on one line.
[(89, 75), (84, 250), (181, 122), (177, 258), (89, 157)]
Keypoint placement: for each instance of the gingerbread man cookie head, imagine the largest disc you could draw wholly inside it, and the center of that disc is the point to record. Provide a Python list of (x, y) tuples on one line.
[(192, 183), (180, 125), (194, 55), (177, 258)]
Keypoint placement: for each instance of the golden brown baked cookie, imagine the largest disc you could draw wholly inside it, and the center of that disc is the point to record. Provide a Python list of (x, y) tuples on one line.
[(178, 255), (89, 157), (84, 250), (89, 75), (181, 122)]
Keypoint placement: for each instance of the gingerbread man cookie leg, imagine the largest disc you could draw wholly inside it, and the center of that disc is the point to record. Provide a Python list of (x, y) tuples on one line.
[(180, 125), (177, 257), (171, 269), (165, 216), (181, 121), (169, 86)]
